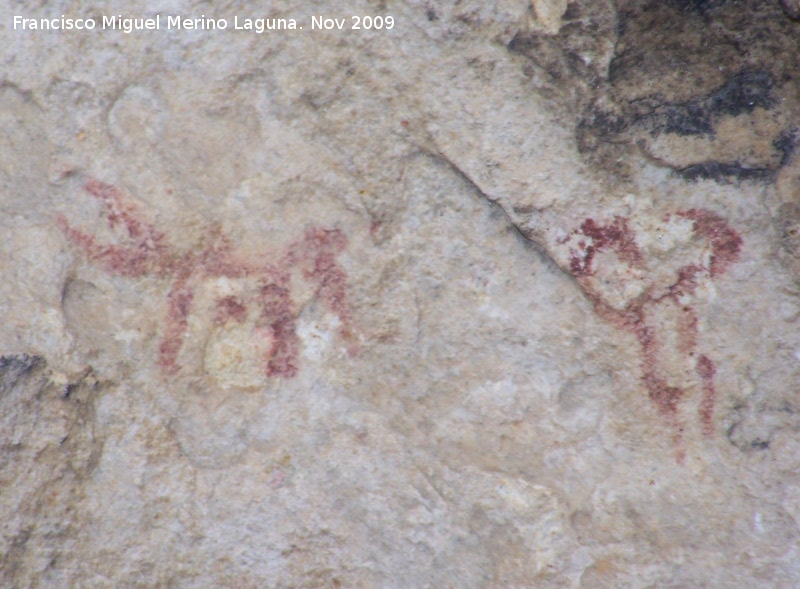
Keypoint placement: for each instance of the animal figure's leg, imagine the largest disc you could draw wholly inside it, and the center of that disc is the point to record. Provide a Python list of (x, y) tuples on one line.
[(318, 250), (179, 303), (725, 245), (706, 370), (642, 318), (278, 313), (645, 316)]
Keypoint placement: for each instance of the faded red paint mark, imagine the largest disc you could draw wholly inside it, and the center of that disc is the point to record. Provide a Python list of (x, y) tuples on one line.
[(643, 315), (149, 252), (706, 369), (615, 236), (279, 315), (277, 479), (230, 309), (179, 303), (726, 244)]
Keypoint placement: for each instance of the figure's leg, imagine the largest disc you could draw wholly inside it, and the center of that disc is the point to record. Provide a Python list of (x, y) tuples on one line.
[(706, 370), (318, 250), (278, 314), (179, 303), (687, 330), (726, 246), (679, 305)]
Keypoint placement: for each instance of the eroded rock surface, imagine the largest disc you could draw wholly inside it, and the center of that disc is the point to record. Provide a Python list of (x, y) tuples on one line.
[(505, 296)]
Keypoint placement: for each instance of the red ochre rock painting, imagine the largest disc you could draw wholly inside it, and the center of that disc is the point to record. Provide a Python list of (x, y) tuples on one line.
[(150, 253), (656, 308)]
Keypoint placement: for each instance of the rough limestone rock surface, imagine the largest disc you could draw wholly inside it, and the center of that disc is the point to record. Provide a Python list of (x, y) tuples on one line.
[(503, 295)]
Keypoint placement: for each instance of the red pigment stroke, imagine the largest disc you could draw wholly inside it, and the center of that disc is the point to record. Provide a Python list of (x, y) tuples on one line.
[(179, 303), (615, 236), (230, 309), (632, 319), (130, 262), (725, 246), (278, 313), (121, 211), (149, 253), (316, 253), (706, 370)]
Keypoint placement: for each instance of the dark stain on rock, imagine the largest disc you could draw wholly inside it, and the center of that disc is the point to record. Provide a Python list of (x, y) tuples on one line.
[(15, 367), (543, 52), (723, 173), (787, 224), (786, 144), (791, 8), (741, 94), (752, 428), (524, 209), (689, 119), (698, 6), (567, 67), (17, 364), (682, 68)]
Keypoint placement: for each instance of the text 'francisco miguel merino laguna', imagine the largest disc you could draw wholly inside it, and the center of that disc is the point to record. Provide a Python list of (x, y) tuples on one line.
[(156, 23), (256, 25)]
